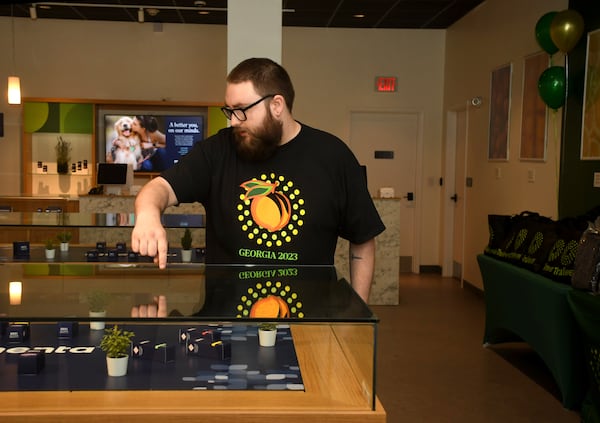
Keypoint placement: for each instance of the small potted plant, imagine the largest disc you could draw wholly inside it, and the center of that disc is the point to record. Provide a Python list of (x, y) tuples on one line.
[(116, 344), (186, 246), (97, 301), (267, 334), (64, 238), (63, 156), (50, 249)]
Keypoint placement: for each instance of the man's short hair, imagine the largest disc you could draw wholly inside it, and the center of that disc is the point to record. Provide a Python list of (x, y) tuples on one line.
[(267, 76)]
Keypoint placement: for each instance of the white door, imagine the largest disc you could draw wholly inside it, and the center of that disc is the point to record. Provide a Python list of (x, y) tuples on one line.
[(455, 192), (458, 197), (394, 136)]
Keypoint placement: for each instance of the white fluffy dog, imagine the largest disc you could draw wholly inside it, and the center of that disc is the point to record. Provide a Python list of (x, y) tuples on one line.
[(126, 145)]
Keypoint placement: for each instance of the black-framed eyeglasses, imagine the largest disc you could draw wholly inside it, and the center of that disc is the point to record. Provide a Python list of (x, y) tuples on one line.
[(240, 113)]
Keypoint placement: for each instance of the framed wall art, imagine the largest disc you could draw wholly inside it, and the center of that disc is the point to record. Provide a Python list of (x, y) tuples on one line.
[(499, 113), (590, 121), (534, 110)]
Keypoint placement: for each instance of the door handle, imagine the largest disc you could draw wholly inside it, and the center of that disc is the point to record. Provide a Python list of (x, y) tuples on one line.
[(454, 198)]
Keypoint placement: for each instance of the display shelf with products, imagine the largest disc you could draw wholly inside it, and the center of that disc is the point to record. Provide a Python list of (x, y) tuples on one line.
[(322, 366), (89, 231)]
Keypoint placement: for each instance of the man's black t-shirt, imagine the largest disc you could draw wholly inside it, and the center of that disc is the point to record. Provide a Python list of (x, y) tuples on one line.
[(287, 209)]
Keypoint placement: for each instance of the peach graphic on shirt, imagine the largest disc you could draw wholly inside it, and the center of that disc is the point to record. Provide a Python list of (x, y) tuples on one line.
[(270, 306), (270, 209), (270, 299)]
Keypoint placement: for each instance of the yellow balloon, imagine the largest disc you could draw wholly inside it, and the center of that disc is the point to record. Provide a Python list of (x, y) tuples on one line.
[(566, 29)]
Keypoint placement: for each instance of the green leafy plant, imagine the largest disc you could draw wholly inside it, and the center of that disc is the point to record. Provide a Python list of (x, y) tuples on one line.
[(267, 326), (97, 300), (49, 244), (186, 239), (116, 342), (64, 236)]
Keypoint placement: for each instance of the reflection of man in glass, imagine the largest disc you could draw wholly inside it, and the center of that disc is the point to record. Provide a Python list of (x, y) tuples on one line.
[(267, 292), (152, 141)]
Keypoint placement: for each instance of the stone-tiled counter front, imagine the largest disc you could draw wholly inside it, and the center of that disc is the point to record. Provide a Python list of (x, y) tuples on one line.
[(387, 260), (385, 288)]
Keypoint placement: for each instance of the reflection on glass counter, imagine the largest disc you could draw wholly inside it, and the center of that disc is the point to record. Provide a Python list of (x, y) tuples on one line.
[(102, 252), (50, 291)]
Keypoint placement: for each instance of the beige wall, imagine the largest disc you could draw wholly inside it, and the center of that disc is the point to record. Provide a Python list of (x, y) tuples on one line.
[(334, 74), (496, 33)]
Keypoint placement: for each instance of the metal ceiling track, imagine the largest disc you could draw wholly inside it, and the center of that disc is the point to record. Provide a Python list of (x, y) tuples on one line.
[(139, 6)]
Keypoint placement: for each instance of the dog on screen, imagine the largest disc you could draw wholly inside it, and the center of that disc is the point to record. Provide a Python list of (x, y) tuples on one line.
[(126, 145)]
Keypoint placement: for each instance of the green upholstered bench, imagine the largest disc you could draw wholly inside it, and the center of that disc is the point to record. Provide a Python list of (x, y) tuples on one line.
[(525, 306), (586, 309)]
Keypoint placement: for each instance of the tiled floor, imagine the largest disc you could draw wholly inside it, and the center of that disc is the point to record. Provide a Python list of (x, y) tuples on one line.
[(432, 366)]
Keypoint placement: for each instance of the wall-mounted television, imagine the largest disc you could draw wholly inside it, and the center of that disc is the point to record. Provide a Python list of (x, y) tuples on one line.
[(149, 139)]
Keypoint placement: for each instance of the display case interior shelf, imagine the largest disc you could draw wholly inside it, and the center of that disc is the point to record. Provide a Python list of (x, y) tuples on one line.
[(50, 182)]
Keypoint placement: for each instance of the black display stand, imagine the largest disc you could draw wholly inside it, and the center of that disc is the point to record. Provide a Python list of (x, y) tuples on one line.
[(79, 364)]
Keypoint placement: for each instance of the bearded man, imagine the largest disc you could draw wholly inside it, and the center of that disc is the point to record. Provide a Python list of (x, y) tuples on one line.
[(275, 190)]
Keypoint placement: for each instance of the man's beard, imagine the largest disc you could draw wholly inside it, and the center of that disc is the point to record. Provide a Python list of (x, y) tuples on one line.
[(260, 144)]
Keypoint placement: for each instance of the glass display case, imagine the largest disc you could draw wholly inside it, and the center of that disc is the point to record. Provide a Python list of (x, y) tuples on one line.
[(204, 338)]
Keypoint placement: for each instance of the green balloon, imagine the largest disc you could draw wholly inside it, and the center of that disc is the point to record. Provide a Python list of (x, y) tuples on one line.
[(552, 86), (542, 33)]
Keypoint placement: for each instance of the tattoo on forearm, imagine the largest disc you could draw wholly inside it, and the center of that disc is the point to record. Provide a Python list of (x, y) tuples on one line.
[(355, 257)]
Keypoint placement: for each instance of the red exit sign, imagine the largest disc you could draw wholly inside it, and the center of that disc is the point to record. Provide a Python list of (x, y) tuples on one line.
[(386, 84)]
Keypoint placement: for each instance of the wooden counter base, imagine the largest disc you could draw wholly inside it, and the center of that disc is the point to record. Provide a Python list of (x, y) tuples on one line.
[(333, 394)]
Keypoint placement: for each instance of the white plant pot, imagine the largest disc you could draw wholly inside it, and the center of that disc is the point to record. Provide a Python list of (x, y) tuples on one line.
[(186, 256), (100, 324), (266, 338), (117, 366), (64, 246), (50, 254)]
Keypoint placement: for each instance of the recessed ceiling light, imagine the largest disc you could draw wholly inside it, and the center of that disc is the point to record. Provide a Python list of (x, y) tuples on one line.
[(200, 3), (43, 6), (152, 11), (203, 12), (358, 15)]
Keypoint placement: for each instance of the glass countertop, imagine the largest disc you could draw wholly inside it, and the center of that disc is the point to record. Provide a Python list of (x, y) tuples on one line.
[(93, 220), (193, 292)]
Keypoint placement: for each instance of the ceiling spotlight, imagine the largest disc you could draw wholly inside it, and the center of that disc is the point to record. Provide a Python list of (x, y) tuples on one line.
[(199, 3), (152, 11), (33, 12), (203, 12), (141, 15)]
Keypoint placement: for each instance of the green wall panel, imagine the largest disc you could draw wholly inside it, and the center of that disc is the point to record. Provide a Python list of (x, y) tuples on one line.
[(216, 120), (69, 118), (35, 115), (76, 118), (576, 192)]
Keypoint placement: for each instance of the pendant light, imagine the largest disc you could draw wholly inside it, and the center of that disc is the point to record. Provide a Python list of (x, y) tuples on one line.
[(14, 90), (14, 83)]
